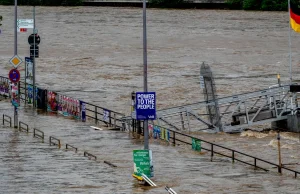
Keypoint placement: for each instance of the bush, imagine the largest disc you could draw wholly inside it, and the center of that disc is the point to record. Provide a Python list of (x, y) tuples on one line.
[(234, 4), (251, 4), (7, 2), (274, 5), (167, 3)]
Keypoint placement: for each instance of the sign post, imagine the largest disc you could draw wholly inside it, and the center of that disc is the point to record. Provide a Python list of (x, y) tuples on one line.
[(23, 24), (145, 106), (15, 60), (143, 163)]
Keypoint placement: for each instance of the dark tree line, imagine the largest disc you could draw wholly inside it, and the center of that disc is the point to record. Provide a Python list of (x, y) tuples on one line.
[(265, 5), (42, 2)]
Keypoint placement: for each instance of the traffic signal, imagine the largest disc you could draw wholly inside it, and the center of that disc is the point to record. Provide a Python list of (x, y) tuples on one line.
[(0, 20), (32, 53)]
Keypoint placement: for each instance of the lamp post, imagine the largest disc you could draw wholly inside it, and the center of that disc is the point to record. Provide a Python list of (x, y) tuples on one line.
[(146, 130), (15, 54)]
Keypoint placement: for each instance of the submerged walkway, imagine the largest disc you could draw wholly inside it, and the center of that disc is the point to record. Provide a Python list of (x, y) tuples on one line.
[(178, 167)]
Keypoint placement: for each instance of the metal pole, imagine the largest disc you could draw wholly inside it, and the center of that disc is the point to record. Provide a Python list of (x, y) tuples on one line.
[(16, 52), (33, 65), (146, 130), (279, 153), (290, 42)]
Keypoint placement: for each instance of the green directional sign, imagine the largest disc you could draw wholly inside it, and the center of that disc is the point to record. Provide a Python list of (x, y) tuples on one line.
[(196, 144), (143, 162)]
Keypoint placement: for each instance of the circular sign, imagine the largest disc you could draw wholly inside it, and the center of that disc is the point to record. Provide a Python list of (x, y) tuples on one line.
[(34, 38), (14, 75)]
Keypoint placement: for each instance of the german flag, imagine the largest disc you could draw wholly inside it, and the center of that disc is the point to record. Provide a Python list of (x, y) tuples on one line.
[(295, 15)]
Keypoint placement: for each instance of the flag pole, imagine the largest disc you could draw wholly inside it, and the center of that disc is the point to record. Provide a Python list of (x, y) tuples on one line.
[(290, 40)]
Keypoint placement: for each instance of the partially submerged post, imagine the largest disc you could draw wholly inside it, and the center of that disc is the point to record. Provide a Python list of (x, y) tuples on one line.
[(279, 153)]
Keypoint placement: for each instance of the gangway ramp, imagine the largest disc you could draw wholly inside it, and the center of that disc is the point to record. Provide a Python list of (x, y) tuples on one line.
[(236, 112)]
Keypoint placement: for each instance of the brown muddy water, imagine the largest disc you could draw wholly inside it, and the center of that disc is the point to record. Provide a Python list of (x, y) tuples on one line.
[(95, 54)]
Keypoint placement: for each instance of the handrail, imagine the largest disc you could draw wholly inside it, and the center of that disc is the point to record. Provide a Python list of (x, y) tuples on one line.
[(233, 153), (4, 120), (51, 138), (41, 135), (86, 154), (68, 145), (115, 118), (22, 128), (104, 108), (174, 137), (109, 163)]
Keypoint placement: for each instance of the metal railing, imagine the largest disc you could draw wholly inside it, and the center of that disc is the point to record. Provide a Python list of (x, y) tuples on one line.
[(110, 164), (89, 155), (98, 114), (56, 141), (112, 119), (72, 147), (233, 153), (214, 148), (5, 120), (26, 128), (40, 134)]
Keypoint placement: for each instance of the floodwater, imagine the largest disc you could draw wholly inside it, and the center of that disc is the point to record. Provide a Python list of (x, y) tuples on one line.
[(95, 54)]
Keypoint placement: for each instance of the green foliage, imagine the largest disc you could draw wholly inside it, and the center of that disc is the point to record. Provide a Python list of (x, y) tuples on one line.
[(7, 2), (167, 3), (73, 2), (274, 5), (266, 5), (42, 2), (251, 4), (234, 4)]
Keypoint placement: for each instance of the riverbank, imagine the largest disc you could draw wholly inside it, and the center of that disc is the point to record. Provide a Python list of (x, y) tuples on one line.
[(192, 4)]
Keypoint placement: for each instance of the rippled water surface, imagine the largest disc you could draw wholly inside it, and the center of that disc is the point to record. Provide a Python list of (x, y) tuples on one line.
[(95, 54)]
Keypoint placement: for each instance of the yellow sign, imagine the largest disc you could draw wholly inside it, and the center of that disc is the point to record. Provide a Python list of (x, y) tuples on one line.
[(15, 61)]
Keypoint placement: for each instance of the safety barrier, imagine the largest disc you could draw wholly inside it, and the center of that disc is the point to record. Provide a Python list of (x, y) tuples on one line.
[(35, 134), (5, 120), (68, 145), (233, 152), (51, 142), (86, 154), (109, 117), (26, 128), (106, 162), (217, 149), (97, 113)]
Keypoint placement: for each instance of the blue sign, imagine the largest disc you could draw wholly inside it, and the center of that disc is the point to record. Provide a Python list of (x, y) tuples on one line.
[(14, 75), (145, 106)]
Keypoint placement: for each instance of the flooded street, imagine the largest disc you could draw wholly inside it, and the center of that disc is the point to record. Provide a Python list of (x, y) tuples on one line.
[(34, 166), (95, 54)]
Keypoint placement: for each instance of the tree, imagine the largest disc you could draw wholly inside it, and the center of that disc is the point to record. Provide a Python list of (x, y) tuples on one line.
[(7, 2)]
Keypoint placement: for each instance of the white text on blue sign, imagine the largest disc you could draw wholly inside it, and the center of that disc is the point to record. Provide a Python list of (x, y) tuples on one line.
[(145, 101)]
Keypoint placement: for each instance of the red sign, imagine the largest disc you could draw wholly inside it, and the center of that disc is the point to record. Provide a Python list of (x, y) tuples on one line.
[(23, 29), (14, 75)]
